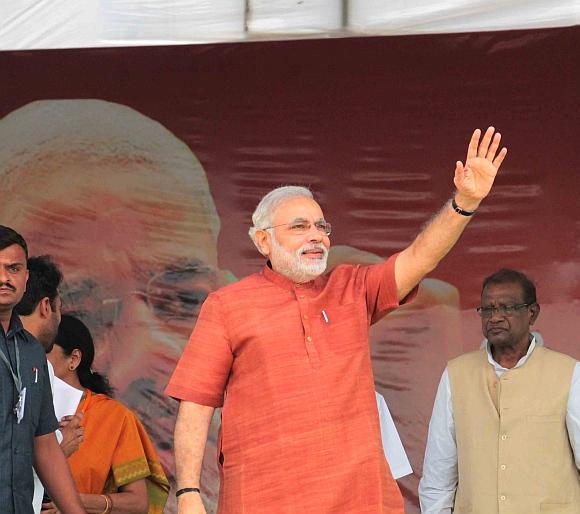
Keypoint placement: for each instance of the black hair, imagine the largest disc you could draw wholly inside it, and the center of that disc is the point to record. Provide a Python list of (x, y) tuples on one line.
[(510, 276), (73, 334), (44, 279), (9, 237)]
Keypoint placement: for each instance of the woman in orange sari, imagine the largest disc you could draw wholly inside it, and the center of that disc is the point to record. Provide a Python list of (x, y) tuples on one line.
[(116, 468)]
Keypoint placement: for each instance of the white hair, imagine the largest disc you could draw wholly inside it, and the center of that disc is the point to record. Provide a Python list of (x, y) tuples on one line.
[(262, 217)]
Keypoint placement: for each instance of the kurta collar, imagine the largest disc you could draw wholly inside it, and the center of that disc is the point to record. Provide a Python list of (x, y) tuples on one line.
[(288, 284)]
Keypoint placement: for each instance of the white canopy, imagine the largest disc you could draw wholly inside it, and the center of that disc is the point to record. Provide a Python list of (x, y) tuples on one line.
[(44, 24)]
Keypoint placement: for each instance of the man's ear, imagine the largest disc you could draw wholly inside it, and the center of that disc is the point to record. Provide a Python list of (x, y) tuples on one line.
[(44, 307), (535, 310), (263, 242)]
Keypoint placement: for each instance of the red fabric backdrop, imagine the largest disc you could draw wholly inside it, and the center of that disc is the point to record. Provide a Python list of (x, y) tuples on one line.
[(374, 126)]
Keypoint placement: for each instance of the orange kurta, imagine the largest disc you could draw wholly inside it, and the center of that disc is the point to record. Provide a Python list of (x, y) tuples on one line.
[(291, 365), (116, 451)]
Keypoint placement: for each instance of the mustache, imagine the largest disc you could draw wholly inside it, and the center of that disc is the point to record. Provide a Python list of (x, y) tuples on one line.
[(8, 285), (313, 246)]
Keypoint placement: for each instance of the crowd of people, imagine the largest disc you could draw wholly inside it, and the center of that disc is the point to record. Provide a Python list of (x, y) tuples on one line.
[(284, 353)]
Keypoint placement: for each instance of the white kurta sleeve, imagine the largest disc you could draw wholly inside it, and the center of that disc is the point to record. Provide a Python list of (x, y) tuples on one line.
[(392, 445), (439, 482)]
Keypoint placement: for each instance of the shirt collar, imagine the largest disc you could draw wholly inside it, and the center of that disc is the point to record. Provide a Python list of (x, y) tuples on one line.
[(280, 280), (15, 326), (520, 363)]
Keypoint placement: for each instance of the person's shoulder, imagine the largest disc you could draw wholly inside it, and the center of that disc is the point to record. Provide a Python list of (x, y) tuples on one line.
[(343, 273), (108, 403), (244, 285), (557, 356), (465, 359), (345, 269), (31, 344)]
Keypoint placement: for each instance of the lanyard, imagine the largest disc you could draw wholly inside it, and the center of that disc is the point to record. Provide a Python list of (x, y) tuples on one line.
[(17, 379)]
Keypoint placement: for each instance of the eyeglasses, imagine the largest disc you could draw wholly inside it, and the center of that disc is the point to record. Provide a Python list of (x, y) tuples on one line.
[(300, 227), (174, 296), (503, 310), (177, 295)]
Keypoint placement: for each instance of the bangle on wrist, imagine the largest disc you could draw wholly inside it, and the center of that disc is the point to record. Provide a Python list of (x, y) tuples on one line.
[(459, 210), (108, 503), (184, 490)]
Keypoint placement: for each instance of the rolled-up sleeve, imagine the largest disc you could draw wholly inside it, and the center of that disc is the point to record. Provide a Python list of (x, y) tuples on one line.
[(202, 371)]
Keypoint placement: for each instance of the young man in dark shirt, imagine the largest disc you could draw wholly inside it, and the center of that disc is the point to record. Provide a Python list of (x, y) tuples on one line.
[(27, 420)]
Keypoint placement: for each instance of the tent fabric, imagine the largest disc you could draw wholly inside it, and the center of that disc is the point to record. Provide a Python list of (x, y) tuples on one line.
[(49, 24)]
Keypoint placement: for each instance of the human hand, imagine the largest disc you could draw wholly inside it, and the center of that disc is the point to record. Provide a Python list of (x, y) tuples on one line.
[(474, 179), (72, 433), (49, 508)]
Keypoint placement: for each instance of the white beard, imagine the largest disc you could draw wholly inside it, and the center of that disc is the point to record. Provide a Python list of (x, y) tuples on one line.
[(290, 264)]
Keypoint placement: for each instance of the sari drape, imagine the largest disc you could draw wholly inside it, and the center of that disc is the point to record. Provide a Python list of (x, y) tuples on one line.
[(116, 451)]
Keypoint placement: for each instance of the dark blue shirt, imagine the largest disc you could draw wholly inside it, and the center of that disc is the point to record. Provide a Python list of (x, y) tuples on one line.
[(17, 439)]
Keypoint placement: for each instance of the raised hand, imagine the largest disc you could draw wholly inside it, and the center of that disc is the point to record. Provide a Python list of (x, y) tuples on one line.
[(474, 179)]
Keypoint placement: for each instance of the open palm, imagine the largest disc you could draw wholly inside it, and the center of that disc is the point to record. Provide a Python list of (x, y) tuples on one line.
[(474, 179)]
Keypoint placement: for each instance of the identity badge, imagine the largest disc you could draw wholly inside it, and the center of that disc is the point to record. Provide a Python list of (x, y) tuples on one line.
[(19, 408)]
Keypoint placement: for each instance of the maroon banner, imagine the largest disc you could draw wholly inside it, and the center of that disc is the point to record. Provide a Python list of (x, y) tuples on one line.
[(138, 170)]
